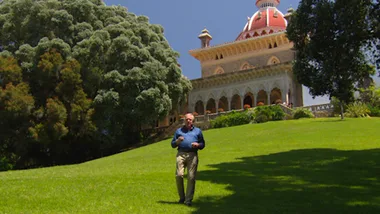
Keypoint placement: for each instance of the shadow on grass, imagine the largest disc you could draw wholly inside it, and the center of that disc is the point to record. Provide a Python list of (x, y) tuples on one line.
[(170, 202), (299, 181), (330, 120)]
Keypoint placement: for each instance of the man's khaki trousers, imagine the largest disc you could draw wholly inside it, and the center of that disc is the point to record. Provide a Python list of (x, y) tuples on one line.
[(187, 160)]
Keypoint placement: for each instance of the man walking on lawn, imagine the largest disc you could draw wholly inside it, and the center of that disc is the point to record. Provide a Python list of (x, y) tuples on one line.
[(188, 139)]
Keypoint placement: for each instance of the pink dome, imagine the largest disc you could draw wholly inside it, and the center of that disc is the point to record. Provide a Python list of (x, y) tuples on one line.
[(265, 21)]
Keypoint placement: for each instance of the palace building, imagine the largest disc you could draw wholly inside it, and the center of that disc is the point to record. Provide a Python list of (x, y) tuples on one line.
[(255, 69)]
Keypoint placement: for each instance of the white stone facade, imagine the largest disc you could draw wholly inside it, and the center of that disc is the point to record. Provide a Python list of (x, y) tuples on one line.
[(249, 71)]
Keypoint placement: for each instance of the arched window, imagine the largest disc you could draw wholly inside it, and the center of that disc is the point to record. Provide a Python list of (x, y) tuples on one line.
[(219, 70), (245, 66), (273, 60)]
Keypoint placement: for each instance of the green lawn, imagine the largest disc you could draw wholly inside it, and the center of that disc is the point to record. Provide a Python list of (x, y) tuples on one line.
[(298, 166)]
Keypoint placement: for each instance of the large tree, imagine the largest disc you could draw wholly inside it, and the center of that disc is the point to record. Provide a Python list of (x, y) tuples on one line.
[(94, 74), (330, 38)]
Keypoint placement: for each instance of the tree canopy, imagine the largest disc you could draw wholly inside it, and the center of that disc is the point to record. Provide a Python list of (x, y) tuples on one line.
[(78, 77), (330, 38)]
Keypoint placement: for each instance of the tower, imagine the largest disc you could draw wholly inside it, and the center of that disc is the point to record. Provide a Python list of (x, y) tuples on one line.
[(205, 38)]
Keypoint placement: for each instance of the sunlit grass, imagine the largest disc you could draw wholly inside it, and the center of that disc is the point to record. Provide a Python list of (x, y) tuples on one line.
[(298, 166)]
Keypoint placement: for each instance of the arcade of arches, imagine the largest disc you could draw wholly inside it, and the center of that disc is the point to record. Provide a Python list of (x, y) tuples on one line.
[(239, 102)]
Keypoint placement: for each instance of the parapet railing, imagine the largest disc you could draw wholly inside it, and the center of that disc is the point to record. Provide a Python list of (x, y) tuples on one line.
[(321, 107)]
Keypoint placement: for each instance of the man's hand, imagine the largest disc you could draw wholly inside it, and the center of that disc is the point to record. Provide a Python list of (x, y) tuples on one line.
[(179, 140), (195, 145)]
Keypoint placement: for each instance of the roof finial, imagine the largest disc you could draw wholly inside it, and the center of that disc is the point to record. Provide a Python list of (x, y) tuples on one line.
[(267, 3), (205, 38)]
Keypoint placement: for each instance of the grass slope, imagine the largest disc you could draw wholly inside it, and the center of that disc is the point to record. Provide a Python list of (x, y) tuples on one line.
[(298, 166)]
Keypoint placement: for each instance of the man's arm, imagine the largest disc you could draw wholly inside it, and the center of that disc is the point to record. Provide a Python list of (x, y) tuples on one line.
[(174, 140), (177, 139), (201, 141)]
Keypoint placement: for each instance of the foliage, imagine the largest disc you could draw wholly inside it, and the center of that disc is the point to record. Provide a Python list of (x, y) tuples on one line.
[(288, 117), (261, 118), (231, 119), (357, 109), (277, 112), (374, 45), (336, 103), (262, 114), (4, 164), (374, 111), (302, 113), (16, 105), (80, 78), (9, 71), (268, 113), (330, 37), (250, 113), (370, 95)]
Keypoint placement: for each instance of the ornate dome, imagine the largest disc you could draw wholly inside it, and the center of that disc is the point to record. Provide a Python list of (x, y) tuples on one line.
[(268, 19)]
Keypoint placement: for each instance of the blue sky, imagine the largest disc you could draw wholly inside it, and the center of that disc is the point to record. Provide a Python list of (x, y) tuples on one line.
[(183, 21)]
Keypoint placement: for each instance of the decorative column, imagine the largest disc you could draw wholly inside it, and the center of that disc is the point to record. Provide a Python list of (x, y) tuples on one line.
[(242, 102), (284, 96), (216, 106), (192, 107), (268, 95), (255, 101), (229, 103), (287, 97)]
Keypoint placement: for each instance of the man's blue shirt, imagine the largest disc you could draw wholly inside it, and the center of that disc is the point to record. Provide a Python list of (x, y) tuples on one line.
[(190, 135)]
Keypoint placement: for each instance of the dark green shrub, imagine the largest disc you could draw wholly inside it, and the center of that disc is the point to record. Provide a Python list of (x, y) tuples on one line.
[(262, 114), (231, 119), (261, 118), (374, 111), (267, 113), (288, 117), (4, 164), (302, 113), (219, 122), (276, 112)]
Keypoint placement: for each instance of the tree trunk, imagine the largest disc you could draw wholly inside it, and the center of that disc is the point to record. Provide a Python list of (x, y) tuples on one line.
[(341, 110)]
